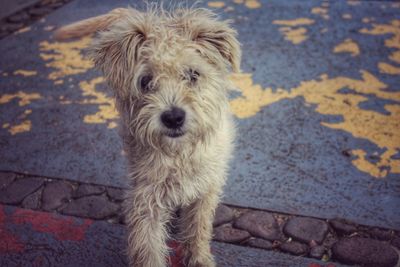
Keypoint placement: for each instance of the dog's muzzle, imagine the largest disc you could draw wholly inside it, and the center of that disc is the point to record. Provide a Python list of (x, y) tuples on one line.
[(174, 119)]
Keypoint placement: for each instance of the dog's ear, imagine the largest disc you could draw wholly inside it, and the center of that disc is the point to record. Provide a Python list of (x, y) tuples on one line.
[(115, 51), (217, 39), (90, 25)]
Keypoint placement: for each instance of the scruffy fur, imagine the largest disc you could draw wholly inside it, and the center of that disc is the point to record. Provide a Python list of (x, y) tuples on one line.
[(188, 55)]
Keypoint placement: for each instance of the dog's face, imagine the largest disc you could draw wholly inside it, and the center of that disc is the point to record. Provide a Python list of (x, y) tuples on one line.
[(169, 73)]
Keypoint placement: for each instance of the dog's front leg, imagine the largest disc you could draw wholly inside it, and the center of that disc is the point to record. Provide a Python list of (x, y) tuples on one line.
[(147, 237), (196, 230)]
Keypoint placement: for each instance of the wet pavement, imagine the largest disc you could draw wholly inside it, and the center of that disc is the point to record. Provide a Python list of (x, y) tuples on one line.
[(317, 107)]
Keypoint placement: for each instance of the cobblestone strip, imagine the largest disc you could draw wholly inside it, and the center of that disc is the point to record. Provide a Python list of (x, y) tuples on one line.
[(329, 240), (23, 18)]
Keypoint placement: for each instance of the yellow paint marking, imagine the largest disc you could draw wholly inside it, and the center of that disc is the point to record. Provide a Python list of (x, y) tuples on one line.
[(112, 125), (346, 16), (388, 69), (324, 93), (216, 4), (106, 106), (25, 98), (296, 36), (252, 4), (25, 73), (321, 11), (367, 20), (59, 82), (395, 56), (24, 126), (347, 46), (65, 57), (294, 22), (366, 166), (392, 29)]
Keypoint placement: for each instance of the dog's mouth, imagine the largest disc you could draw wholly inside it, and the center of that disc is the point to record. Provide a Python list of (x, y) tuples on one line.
[(175, 134)]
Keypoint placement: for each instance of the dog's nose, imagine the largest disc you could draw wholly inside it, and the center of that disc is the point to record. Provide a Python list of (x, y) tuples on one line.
[(173, 118)]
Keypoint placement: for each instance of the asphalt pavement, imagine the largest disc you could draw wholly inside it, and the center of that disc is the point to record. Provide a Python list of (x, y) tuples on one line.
[(317, 106)]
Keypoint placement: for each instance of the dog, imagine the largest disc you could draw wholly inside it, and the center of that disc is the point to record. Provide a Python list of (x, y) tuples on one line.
[(169, 73)]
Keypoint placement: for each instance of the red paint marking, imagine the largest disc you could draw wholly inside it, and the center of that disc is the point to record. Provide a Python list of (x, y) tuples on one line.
[(8, 242), (62, 228)]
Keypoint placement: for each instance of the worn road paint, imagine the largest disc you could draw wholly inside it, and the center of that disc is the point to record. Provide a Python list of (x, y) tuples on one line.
[(19, 124), (392, 29), (294, 22), (216, 4), (107, 112), (25, 73), (9, 243), (65, 58), (388, 68), (347, 46), (25, 98), (61, 228), (326, 93), (292, 30), (321, 11)]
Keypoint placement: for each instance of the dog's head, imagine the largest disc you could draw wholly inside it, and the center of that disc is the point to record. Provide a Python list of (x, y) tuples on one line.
[(169, 72)]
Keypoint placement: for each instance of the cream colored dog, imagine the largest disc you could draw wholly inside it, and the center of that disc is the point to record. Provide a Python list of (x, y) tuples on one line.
[(169, 73)]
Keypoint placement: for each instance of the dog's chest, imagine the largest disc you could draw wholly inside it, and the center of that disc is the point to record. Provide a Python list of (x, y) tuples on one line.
[(187, 185)]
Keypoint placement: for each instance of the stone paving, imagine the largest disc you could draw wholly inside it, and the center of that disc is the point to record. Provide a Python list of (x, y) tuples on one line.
[(30, 12), (35, 238), (333, 240)]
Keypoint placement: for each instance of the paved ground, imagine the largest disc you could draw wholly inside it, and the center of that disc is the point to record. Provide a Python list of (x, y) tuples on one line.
[(317, 108), (332, 240), (47, 239), (10, 6)]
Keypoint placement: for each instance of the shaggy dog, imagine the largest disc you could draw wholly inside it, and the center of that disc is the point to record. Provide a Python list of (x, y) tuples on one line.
[(169, 74)]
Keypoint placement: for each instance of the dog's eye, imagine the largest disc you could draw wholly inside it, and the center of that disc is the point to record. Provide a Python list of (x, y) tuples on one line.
[(145, 83), (193, 75)]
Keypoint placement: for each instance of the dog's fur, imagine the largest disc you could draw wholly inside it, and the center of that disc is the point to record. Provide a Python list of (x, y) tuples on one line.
[(189, 54)]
